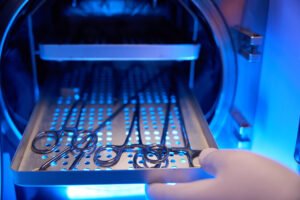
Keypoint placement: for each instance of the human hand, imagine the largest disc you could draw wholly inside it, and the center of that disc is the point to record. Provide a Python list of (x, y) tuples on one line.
[(239, 175)]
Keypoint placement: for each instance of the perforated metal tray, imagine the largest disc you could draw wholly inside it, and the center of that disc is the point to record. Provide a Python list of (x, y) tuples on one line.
[(50, 112)]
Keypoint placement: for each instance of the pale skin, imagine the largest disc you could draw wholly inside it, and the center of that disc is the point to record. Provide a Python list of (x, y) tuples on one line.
[(238, 175)]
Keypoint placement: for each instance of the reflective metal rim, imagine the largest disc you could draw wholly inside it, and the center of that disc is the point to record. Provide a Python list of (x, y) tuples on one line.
[(16, 8), (222, 39), (224, 43)]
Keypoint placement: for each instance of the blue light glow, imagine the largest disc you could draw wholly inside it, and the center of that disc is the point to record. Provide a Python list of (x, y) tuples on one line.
[(2, 42), (171, 183), (105, 191), (277, 115)]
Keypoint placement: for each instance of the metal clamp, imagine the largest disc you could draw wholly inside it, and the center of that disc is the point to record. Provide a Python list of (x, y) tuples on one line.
[(248, 44), (243, 129)]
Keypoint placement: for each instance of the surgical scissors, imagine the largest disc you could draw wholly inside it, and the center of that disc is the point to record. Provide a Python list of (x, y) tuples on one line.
[(120, 149), (146, 152), (84, 145), (157, 153), (56, 135), (83, 142)]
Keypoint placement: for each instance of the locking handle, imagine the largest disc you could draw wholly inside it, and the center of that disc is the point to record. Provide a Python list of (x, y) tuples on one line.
[(248, 44)]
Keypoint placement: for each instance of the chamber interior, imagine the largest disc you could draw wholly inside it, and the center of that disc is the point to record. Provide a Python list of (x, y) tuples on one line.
[(60, 42)]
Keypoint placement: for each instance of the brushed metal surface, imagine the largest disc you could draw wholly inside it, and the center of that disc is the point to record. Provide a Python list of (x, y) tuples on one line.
[(51, 112)]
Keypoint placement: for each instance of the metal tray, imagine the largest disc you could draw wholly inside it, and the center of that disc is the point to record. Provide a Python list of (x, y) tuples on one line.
[(50, 112)]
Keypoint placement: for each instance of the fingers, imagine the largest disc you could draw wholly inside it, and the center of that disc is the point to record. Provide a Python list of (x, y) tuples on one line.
[(195, 190)]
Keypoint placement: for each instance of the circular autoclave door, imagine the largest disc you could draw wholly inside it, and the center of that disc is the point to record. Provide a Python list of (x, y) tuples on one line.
[(44, 41)]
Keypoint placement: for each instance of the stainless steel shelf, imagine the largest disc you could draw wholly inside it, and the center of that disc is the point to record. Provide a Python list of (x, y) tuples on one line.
[(119, 52)]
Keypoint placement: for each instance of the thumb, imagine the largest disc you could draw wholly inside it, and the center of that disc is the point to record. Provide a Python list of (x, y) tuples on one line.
[(213, 161)]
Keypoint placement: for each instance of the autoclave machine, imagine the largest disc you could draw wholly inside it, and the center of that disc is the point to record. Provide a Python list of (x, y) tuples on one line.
[(123, 91)]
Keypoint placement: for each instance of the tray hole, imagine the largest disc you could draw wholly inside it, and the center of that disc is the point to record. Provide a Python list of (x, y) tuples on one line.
[(65, 163), (66, 157), (144, 118), (141, 161), (87, 163), (174, 132), (99, 143), (53, 164), (130, 155), (109, 156), (130, 162), (181, 153), (109, 133), (70, 134), (150, 155), (99, 133), (48, 145), (44, 157)]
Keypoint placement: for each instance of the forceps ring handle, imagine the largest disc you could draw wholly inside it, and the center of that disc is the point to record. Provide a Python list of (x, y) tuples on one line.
[(110, 162), (44, 135)]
